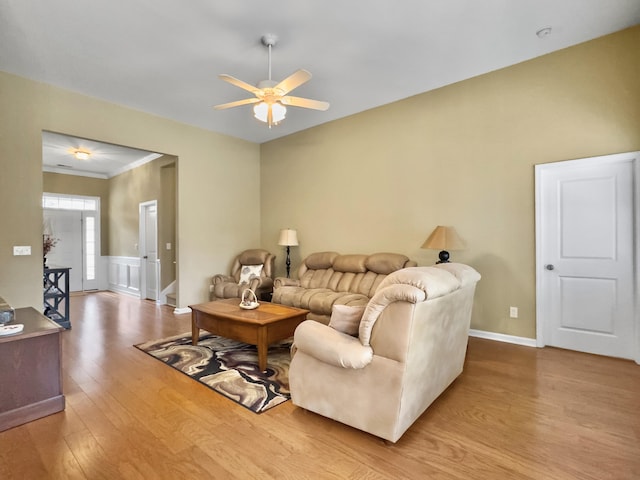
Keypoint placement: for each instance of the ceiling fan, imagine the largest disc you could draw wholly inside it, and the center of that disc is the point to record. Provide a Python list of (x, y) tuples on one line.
[(271, 97)]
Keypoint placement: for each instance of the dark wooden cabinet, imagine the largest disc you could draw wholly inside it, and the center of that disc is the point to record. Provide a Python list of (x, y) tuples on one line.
[(30, 370), (56, 295)]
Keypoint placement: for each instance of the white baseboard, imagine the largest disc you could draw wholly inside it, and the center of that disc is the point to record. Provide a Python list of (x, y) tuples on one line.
[(501, 337), (180, 310)]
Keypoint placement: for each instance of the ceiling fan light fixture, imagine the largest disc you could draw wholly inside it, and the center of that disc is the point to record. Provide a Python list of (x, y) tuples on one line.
[(278, 112), (81, 154), (270, 96)]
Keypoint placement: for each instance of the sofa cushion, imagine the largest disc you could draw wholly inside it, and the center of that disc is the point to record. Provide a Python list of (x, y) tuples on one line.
[(254, 256), (350, 263), (386, 263), (318, 300), (320, 260), (321, 278), (323, 301), (346, 318)]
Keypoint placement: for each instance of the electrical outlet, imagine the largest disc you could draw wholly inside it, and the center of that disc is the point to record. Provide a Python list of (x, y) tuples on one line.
[(22, 250), (513, 312), (168, 246)]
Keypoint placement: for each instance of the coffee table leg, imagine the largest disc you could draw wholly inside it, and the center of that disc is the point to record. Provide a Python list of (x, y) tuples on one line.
[(195, 330), (263, 347)]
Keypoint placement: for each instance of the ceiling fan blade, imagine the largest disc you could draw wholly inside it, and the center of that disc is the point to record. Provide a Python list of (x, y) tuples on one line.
[(304, 103), (246, 101), (238, 83), (293, 81)]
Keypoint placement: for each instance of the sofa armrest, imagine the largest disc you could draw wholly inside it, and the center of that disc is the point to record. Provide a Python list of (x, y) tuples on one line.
[(411, 285), (331, 346), (285, 282)]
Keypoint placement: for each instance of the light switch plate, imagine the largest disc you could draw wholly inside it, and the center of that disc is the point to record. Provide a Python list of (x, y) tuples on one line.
[(22, 250)]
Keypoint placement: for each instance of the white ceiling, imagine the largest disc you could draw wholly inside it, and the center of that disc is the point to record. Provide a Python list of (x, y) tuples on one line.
[(105, 160), (163, 56)]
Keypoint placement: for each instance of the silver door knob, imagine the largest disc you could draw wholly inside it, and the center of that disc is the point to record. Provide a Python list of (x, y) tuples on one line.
[(549, 267)]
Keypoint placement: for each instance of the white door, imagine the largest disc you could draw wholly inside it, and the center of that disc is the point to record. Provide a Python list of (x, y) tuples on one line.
[(75, 221), (149, 265), (66, 227), (585, 261)]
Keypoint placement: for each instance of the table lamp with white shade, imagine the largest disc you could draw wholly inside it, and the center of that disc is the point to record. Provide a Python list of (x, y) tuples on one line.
[(288, 238)]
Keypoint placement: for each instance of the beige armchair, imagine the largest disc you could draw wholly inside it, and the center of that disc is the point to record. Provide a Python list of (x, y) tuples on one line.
[(254, 267), (410, 346)]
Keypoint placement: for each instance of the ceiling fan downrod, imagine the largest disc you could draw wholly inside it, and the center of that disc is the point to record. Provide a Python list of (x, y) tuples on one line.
[(269, 40)]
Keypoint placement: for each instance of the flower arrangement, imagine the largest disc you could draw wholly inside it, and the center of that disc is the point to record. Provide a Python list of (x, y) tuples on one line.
[(48, 242)]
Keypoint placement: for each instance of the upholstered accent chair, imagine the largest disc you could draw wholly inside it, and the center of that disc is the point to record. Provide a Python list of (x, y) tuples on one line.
[(409, 347), (250, 269)]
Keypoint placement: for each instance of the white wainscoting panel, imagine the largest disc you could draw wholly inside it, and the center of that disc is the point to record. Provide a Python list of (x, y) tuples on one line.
[(124, 275)]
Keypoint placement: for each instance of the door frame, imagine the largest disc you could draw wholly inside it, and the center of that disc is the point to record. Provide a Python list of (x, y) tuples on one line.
[(541, 308), (142, 230), (97, 281)]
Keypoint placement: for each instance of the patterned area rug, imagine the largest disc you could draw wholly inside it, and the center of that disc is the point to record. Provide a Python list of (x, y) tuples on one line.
[(228, 367)]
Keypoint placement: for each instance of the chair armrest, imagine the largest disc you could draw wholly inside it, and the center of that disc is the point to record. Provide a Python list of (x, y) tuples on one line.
[(220, 278), (331, 346), (285, 282), (260, 282)]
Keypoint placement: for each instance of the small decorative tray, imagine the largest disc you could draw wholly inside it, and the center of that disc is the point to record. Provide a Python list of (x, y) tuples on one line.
[(11, 329)]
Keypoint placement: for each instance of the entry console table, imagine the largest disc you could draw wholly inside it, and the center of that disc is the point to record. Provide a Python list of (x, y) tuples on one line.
[(30, 370), (56, 295)]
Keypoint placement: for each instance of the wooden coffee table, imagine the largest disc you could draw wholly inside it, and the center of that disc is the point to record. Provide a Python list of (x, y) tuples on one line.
[(262, 326)]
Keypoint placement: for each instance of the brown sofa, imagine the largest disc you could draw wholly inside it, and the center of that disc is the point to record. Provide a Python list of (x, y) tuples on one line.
[(328, 278)]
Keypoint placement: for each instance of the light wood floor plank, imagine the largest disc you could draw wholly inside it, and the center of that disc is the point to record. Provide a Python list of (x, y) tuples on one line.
[(515, 413)]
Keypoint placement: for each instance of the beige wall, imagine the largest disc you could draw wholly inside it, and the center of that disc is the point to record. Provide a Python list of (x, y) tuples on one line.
[(127, 191), (462, 155), (378, 181), (167, 224), (87, 186), (152, 181), (212, 167)]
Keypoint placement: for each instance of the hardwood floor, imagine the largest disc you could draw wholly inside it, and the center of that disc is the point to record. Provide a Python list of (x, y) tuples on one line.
[(515, 413)]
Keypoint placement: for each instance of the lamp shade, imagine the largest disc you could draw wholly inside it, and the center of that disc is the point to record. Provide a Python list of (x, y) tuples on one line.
[(288, 237), (444, 238)]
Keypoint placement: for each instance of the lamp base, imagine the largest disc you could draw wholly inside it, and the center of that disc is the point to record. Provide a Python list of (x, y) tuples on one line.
[(443, 256), (288, 262)]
